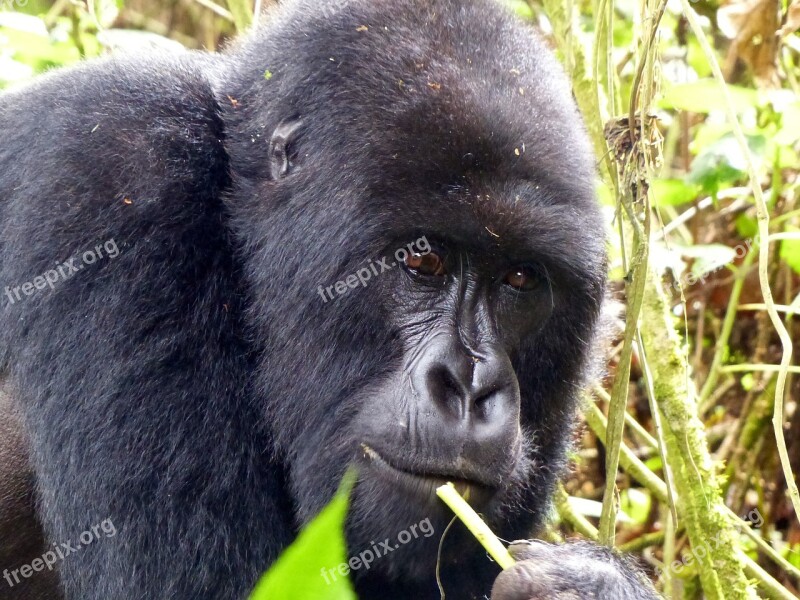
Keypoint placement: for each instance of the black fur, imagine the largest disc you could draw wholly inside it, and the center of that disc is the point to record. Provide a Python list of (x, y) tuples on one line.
[(571, 571), (195, 388)]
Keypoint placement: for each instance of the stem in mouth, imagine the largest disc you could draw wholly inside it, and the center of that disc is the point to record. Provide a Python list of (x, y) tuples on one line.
[(476, 525)]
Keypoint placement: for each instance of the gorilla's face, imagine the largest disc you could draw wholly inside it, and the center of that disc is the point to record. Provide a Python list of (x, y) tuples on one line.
[(442, 332), (443, 338), (460, 305)]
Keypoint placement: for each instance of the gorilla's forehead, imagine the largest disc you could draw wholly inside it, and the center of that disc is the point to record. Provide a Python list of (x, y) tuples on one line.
[(430, 80), (477, 167)]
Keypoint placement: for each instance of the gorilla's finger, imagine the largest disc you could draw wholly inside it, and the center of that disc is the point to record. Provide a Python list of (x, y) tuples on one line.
[(526, 549), (527, 581)]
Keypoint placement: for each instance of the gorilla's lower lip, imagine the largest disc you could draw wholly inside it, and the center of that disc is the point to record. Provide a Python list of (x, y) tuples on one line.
[(426, 483)]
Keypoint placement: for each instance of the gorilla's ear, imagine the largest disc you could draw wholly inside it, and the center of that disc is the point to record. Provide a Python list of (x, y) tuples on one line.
[(281, 158)]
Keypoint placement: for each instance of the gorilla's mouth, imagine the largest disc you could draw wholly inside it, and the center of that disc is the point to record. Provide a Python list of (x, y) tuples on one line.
[(424, 483)]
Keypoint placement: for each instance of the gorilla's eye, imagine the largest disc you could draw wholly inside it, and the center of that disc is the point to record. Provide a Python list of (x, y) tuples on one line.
[(426, 264), (523, 279)]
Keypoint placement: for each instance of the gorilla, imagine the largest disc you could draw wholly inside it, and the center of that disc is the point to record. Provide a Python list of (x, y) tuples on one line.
[(191, 347)]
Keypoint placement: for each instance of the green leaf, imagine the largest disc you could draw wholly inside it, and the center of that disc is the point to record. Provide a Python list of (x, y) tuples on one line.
[(746, 226), (790, 125), (26, 39), (521, 8), (696, 58), (105, 12), (792, 554), (593, 508), (723, 161), (790, 250), (654, 463), (673, 192), (636, 503), (708, 257), (242, 13), (299, 573), (22, 22), (705, 96), (604, 194)]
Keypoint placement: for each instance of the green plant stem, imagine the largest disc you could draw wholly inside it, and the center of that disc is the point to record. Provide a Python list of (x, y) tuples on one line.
[(573, 517), (767, 583), (475, 524), (725, 334), (627, 459)]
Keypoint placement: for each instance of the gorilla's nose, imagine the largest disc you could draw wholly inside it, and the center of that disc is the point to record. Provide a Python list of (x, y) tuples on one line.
[(470, 400)]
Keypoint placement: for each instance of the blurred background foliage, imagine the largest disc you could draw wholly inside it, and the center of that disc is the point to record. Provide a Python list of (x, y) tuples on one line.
[(699, 402)]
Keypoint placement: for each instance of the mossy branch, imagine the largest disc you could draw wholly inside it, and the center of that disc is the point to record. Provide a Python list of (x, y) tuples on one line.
[(702, 511)]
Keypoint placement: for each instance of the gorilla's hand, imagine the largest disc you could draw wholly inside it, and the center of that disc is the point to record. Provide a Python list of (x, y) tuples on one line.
[(573, 571)]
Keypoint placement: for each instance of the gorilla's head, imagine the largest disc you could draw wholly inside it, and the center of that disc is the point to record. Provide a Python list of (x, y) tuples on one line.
[(425, 255)]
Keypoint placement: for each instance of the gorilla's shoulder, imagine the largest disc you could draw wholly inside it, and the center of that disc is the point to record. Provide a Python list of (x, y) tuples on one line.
[(145, 126)]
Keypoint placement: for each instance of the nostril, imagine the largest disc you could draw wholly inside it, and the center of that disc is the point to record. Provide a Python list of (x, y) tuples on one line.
[(445, 391), (486, 404)]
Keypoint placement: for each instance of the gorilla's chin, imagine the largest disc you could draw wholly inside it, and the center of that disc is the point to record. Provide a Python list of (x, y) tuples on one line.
[(402, 518), (398, 513)]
